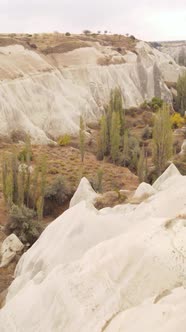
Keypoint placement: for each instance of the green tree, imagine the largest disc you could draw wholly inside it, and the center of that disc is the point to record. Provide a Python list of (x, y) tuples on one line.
[(125, 146), (162, 139), (40, 201), (142, 166), (181, 94), (82, 138), (115, 105), (115, 136), (104, 136)]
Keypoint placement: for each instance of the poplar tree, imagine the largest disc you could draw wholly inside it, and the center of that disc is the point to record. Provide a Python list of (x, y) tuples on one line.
[(142, 166), (162, 139), (40, 201), (125, 146), (181, 94), (115, 136), (104, 136)]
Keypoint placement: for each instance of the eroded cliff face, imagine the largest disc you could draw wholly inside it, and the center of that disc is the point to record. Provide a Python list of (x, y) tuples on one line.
[(45, 94), (177, 50)]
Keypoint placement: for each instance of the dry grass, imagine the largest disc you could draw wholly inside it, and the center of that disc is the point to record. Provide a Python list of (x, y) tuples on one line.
[(60, 43)]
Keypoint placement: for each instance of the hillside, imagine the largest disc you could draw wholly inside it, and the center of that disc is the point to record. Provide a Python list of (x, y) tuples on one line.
[(48, 81)]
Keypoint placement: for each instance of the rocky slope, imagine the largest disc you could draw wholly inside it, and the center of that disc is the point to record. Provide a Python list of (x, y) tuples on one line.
[(44, 92), (111, 270), (177, 50)]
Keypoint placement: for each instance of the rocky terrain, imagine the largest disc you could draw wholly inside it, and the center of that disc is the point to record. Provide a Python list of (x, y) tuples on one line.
[(116, 269), (48, 81), (177, 50), (114, 260)]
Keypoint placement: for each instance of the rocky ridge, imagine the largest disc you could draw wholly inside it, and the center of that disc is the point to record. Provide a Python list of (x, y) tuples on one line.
[(44, 93)]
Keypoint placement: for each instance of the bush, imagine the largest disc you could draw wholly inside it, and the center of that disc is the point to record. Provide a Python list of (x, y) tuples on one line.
[(177, 120), (56, 194), (64, 140), (34, 46), (144, 105), (67, 34), (147, 133), (87, 32), (156, 103), (22, 156), (132, 37), (21, 222), (97, 183)]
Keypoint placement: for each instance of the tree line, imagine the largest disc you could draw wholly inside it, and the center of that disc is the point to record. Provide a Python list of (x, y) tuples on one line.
[(117, 144)]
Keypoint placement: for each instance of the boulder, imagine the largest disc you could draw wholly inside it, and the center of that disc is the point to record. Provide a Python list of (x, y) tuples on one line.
[(10, 247)]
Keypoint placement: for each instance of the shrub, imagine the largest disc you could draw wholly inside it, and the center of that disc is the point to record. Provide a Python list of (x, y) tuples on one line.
[(132, 37), (64, 140), (67, 34), (33, 46), (56, 194), (87, 32), (156, 103), (177, 120), (147, 133), (21, 222), (144, 105), (97, 184), (22, 156)]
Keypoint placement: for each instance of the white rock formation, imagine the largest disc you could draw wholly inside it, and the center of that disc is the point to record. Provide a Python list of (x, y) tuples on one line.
[(183, 148), (166, 315), (169, 173), (143, 191), (177, 50), (9, 248), (45, 95), (106, 272), (84, 192)]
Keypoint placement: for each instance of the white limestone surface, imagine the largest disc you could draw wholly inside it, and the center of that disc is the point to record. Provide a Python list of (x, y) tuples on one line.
[(93, 271), (46, 95)]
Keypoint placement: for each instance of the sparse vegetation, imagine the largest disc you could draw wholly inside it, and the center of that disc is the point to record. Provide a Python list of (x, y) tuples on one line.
[(142, 166), (162, 139), (23, 190), (177, 120), (147, 133), (82, 138), (22, 222), (64, 140), (56, 194), (87, 32)]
